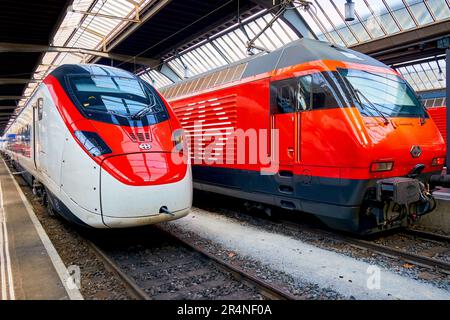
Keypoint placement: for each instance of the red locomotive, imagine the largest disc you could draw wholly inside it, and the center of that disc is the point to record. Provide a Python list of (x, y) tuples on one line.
[(348, 139)]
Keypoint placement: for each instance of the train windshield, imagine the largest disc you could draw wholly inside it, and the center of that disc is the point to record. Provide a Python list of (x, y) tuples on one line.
[(382, 94), (118, 96)]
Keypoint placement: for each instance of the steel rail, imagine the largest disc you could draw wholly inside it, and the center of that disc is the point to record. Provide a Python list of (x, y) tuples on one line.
[(396, 253), (427, 235), (130, 285), (383, 250), (268, 290)]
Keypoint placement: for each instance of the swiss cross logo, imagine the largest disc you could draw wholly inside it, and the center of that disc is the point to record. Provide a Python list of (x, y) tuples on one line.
[(416, 151), (145, 146)]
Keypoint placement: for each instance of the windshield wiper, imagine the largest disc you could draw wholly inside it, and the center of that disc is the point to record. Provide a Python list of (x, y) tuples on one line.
[(144, 111), (109, 112), (359, 93)]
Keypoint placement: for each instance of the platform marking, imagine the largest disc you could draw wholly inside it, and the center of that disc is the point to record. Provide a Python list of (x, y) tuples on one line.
[(2, 259), (61, 270), (9, 283)]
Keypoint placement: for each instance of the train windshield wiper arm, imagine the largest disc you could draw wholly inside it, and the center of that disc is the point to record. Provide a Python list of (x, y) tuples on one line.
[(144, 111), (118, 114), (372, 106)]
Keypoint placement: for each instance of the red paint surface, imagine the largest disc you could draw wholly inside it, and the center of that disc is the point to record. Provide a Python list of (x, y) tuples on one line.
[(127, 162), (439, 116)]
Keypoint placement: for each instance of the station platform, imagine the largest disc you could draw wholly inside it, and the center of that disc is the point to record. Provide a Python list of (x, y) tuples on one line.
[(439, 219), (30, 267)]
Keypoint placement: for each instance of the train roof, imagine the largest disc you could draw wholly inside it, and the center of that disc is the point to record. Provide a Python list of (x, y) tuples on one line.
[(89, 69), (296, 52)]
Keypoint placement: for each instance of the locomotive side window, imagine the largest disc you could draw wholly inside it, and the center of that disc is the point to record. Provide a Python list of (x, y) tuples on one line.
[(40, 108), (285, 92), (322, 94), (303, 93)]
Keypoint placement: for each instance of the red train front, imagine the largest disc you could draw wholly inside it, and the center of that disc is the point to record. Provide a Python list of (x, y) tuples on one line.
[(315, 128)]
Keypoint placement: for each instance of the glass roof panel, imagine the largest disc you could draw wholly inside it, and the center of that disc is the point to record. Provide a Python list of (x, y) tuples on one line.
[(404, 18), (155, 78), (86, 29), (439, 8), (425, 75), (374, 19), (389, 24), (421, 13), (231, 45)]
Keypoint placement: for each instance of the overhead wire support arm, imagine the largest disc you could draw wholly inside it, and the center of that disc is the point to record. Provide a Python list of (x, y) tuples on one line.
[(284, 5), (108, 16)]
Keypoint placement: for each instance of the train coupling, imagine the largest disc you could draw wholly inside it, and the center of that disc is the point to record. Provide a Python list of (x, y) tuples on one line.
[(408, 195), (164, 209)]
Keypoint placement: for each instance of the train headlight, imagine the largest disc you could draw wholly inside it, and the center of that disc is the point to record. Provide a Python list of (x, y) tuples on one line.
[(439, 161), (92, 143), (178, 140), (381, 166)]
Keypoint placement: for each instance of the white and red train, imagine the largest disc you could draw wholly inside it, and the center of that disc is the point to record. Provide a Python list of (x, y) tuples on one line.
[(99, 142)]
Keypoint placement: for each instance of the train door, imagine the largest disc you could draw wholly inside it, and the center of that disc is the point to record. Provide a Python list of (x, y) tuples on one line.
[(38, 150), (35, 135), (286, 103)]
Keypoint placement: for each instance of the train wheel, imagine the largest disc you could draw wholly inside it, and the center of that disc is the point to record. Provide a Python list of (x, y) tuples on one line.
[(49, 204)]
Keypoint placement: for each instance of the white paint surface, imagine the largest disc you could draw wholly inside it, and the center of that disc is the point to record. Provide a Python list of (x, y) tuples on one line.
[(305, 262)]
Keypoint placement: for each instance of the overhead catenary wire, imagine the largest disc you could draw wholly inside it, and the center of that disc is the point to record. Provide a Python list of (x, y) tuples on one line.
[(175, 33), (191, 24)]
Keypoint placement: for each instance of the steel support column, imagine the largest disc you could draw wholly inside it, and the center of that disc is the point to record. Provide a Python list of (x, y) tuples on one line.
[(170, 73)]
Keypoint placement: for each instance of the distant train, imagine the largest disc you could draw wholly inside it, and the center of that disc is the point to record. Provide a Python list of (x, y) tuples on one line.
[(348, 139), (97, 142), (437, 110)]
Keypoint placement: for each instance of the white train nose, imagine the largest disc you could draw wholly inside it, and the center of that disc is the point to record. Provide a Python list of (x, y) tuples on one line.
[(143, 202)]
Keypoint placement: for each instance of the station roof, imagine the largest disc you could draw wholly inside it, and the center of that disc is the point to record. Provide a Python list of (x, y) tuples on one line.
[(34, 24), (167, 40)]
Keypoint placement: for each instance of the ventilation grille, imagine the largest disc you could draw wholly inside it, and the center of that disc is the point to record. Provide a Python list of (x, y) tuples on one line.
[(438, 114), (208, 126), (139, 136), (209, 80)]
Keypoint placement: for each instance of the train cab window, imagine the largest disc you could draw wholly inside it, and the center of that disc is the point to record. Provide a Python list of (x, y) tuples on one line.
[(40, 108), (121, 100), (382, 94)]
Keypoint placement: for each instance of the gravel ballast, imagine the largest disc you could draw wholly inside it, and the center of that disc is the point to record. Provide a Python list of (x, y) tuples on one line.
[(304, 262)]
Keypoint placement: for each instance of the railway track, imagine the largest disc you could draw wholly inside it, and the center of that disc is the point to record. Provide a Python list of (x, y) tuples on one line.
[(374, 246), (130, 285), (409, 257), (185, 264), (427, 235), (385, 250), (195, 262)]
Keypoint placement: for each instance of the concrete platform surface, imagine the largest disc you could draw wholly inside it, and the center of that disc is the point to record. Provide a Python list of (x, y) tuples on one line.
[(439, 219), (305, 262), (30, 267)]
